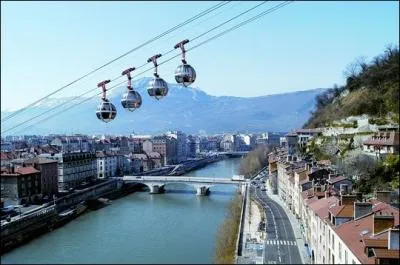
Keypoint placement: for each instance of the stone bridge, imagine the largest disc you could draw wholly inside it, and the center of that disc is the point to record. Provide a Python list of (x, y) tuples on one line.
[(201, 184)]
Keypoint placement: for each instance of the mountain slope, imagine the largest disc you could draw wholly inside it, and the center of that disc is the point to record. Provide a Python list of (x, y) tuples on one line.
[(371, 89), (187, 109)]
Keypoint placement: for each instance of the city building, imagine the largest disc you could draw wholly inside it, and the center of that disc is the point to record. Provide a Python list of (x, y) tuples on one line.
[(166, 146), (22, 184), (107, 165), (74, 168), (382, 143), (145, 164), (48, 174)]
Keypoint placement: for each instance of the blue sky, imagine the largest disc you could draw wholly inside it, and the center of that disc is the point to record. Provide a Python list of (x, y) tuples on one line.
[(305, 45)]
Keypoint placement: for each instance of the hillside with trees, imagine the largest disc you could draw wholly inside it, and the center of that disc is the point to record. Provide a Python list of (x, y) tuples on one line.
[(371, 88)]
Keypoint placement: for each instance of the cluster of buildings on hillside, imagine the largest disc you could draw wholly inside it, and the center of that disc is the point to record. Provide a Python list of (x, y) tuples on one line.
[(379, 143), (40, 167), (338, 224)]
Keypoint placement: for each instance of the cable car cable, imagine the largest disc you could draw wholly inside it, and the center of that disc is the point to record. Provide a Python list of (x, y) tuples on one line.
[(141, 66), (119, 57), (196, 46)]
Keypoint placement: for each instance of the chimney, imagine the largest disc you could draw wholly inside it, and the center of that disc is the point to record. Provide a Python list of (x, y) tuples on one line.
[(347, 199), (393, 239), (383, 196), (382, 223), (343, 189), (361, 209), (327, 194)]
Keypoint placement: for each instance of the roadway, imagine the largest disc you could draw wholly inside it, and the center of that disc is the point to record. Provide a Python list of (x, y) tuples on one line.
[(280, 245), (163, 179)]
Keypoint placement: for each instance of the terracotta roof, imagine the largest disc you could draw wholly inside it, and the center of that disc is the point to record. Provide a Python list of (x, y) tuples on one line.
[(26, 170), (383, 139), (387, 253), (311, 200), (382, 208), (321, 207), (354, 233)]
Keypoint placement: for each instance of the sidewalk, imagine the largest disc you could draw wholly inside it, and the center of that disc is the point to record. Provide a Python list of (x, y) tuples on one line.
[(253, 239), (295, 224)]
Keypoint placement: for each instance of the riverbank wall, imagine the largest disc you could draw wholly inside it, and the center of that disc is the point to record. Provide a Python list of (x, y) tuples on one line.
[(47, 217), (22, 228)]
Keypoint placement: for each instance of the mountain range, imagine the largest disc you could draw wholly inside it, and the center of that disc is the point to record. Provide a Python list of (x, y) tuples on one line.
[(185, 108)]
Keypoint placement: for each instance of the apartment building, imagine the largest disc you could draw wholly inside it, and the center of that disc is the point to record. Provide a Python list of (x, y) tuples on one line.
[(74, 168), (107, 163)]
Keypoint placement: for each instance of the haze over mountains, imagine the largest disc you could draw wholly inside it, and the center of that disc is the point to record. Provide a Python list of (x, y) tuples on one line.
[(188, 109)]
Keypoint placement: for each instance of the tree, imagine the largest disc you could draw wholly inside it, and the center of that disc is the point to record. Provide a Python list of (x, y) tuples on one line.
[(254, 161)]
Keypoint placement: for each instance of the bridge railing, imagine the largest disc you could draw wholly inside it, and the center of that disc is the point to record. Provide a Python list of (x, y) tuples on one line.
[(182, 179)]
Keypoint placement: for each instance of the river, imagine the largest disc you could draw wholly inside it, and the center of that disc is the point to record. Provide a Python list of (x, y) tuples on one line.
[(174, 227)]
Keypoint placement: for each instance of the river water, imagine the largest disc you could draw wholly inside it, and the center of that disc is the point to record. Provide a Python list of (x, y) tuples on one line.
[(174, 227)]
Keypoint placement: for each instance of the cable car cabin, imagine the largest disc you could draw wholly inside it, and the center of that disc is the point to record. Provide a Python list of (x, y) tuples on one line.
[(185, 74), (157, 88), (106, 111), (131, 100)]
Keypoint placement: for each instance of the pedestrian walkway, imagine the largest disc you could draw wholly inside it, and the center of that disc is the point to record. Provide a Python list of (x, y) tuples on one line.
[(281, 242), (253, 237), (295, 224)]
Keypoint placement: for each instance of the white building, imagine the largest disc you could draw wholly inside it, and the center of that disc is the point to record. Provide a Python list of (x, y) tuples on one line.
[(107, 165)]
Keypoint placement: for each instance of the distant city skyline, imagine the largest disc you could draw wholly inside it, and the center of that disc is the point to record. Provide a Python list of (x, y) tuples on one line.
[(302, 46)]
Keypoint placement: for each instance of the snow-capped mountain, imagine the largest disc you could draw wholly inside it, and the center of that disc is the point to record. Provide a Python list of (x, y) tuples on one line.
[(185, 108)]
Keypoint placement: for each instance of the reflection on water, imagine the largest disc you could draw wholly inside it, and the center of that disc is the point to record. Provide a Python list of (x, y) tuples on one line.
[(174, 227)]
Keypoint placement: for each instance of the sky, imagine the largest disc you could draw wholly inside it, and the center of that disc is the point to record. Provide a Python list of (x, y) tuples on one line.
[(305, 45)]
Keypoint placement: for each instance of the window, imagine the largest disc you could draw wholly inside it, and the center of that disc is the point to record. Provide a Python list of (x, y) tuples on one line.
[(340, 251), (345, 256)]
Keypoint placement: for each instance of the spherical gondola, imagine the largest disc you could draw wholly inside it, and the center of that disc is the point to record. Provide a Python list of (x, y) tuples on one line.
[(185, 74), (106, 111), (157, 88), (131, 100)]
